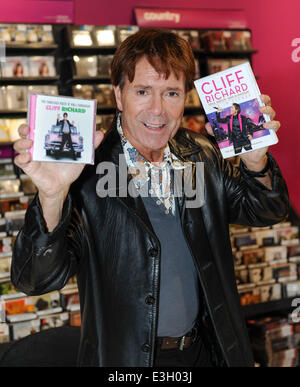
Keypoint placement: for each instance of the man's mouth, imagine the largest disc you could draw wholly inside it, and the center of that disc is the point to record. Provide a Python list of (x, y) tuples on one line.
[(152, 126)]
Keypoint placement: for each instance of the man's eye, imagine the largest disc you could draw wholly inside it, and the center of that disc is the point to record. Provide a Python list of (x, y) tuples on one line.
[(141, 92), (173, 94)]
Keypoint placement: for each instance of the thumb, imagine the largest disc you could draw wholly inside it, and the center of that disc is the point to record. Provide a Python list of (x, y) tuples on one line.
[(209, 129), (98, 138)]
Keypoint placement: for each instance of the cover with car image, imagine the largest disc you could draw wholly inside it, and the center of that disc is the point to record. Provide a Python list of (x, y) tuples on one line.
[(61, 128)]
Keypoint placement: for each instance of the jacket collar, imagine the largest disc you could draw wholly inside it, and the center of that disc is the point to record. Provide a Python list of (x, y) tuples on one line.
[(110, 149)]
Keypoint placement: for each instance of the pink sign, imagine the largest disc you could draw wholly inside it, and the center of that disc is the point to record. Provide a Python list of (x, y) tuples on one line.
[(190, 18), (37, 11)]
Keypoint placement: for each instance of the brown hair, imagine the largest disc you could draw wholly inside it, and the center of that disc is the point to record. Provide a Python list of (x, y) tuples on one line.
[(237, 107), (164, 50)]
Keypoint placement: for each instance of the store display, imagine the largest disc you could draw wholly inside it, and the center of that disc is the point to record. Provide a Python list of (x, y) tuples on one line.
[(241, 40), (105, 36), (125, 31), (104, 95), (5, 264), (41, 66), (9, 188), (13, 33), (62, 128), (104, 62), (16, 97), (234, 94), (81, 36), (83, 91), (4, 134), (15, 67), (24, 328), (43, 89), (12, 125), (191, 36), (103, 122), (275, 342), (192, 99), (39, 33), (86, 66)]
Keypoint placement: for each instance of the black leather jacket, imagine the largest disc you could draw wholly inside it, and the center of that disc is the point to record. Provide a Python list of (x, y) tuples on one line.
[(111, 246)]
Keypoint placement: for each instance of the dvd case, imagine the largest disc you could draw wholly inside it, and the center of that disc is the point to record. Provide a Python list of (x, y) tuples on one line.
[(125, 31), (105, 36), (81, 36), (83, 91), (231, 100), (41, 66), (104, 62), (86, 66), (15, 67), (16, 97), (104, 95), (43, 89), (62, 128)]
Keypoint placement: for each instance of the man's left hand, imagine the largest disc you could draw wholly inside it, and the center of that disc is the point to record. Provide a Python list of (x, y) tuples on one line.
[(256, 160)]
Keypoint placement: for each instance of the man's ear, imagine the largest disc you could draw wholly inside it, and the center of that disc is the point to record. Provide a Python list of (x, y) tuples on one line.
[(118, 95)]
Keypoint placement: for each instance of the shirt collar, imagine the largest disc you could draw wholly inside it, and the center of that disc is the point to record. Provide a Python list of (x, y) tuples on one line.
[(133, 156)]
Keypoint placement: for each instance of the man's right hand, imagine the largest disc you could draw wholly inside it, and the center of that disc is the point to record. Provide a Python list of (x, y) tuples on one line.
[(52, 179)]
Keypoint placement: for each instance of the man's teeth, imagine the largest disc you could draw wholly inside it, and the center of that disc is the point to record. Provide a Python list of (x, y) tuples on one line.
[(158, 126)]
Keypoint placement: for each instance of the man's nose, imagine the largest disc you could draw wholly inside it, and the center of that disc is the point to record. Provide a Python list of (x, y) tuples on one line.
[(156, 106)]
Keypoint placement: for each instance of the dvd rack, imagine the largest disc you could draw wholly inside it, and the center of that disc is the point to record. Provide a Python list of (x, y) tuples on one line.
[(31, 64), (90, 48)]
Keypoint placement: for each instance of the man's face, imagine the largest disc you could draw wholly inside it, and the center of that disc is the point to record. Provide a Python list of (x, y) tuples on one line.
[(65, 117), (233, 110), (152, 108)]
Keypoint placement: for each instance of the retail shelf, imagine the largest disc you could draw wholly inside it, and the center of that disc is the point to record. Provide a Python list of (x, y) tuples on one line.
[(29, 80), (256, 310)]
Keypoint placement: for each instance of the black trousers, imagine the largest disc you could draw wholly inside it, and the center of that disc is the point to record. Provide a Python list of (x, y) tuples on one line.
[(66, 138), (196, 355), (240, 144)]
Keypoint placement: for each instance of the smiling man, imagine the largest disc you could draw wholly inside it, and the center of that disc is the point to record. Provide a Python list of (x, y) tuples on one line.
[(155, 276)]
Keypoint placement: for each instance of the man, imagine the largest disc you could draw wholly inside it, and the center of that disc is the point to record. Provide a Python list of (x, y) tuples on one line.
[(65, 131), (155, 276), (239, 127)]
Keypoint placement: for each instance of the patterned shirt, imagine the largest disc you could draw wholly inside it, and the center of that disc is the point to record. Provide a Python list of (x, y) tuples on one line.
[(143, 171)]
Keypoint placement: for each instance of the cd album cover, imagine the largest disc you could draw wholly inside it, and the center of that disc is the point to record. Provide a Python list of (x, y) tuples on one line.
[(86, 66), (105, 36), (81, 36), (62, 128), (15, 67), (42, 66), (231, 100)]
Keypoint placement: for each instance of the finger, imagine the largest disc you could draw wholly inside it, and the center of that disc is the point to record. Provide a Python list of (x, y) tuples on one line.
[(266, 99), (22, 145), (22, 160), (274, 125), (209, 129), (268, 110), (98, 138), (23, 130)]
